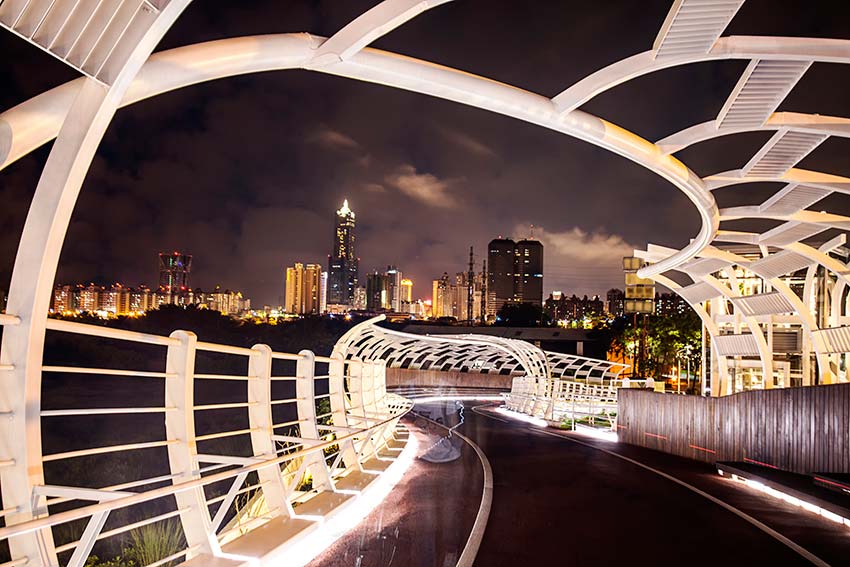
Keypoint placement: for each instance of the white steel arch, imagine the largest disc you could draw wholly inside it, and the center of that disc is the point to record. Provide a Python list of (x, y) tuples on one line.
[(468, 352), (112, 52)]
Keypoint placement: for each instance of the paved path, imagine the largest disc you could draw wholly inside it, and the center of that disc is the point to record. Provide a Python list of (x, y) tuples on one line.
[(560, 502)]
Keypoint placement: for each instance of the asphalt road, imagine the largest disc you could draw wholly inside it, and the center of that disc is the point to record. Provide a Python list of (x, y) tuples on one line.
[(561, 502)]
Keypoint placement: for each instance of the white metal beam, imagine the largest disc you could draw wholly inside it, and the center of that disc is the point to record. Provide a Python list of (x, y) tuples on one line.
[(793, 121), (377, 22), (816, 179), (801, 49)]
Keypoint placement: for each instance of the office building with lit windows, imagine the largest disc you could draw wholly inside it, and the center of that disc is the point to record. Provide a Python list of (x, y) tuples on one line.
[(303, 289), (514, 273)]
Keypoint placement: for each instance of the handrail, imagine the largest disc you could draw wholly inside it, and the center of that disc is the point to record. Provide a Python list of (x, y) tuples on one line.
[(356, 394), (109, 332), (6, 319), (142, 497)]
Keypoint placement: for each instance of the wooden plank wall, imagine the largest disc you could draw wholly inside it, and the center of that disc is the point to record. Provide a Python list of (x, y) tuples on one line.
[(796, 429), (451, 378)]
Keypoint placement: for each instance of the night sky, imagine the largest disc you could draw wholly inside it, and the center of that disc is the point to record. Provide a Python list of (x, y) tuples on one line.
[(245, 173)]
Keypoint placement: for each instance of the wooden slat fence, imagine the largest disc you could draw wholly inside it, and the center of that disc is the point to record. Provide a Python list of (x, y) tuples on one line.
[(796, 429)]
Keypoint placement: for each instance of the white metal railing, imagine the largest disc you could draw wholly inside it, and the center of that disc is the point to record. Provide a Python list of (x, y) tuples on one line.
[(556, 399), (300, 424)]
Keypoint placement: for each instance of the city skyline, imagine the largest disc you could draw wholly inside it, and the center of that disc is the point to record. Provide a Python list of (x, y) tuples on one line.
[(259, 203), (444, 166)]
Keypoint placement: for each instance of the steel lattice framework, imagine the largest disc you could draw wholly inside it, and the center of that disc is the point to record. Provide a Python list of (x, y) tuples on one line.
[(469, 353), (110, 44)]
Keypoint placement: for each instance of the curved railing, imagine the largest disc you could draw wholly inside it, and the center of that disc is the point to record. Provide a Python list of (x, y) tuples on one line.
[(558, 399), (222, 441)]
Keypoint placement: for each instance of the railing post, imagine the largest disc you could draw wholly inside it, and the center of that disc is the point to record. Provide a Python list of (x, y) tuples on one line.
[(260, 420), (550, 407), (21, 355), (357, 370), (182, 455), (336, 387), (305, 392)]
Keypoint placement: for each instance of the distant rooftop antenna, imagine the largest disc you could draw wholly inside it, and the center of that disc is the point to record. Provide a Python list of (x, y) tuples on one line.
[(531, 233)]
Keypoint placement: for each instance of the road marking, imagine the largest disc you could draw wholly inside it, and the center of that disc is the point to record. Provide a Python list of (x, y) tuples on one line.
[(814, 559), (473, 543)]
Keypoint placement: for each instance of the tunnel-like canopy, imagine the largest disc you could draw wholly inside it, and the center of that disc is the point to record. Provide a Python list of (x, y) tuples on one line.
[(466, 353)]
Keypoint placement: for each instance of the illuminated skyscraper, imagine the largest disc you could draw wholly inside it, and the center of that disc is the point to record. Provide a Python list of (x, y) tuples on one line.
[(407, 290), (515, 273), (528, 272), (377, 291), (500, 278), (394, 278), (344, 266), (174, 271), (303, 288)]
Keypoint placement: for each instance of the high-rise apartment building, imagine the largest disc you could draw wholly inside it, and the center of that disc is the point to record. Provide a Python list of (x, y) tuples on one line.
[(174, 270), (377, 292), (359, 302), (407, 290), (500, 276), (615, 302), (515, 273), (528, 272), (442, 298), (344, 266), (323, 297), (303, 289), (394, 278)]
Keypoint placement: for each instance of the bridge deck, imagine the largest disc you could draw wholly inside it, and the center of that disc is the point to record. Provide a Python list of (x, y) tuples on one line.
[(556, 499)]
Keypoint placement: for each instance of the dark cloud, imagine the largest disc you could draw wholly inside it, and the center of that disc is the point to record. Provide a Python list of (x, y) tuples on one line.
[(245, 173)]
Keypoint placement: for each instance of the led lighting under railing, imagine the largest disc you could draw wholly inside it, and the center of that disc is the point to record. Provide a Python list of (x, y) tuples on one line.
[(461, 398), (602, 435), (305, 550), (522, 417), (793, 500)]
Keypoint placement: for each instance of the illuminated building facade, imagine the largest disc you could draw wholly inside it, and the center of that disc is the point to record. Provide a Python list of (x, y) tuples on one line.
[(377, 292), (528, 272), (615, 302), (303, 289), (515, 273), (344, 266)]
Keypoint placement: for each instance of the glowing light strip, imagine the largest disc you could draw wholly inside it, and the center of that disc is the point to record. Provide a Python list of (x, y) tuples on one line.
[(304, 550), (793, 500), (601, 434), (522, 417), (432, 399)]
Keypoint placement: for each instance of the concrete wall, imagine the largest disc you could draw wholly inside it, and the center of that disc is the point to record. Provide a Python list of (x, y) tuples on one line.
[(426, 378), (796, 429)]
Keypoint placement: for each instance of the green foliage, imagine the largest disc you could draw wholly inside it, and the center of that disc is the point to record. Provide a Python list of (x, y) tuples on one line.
[(94, 561), (154, 542), (147, 545), (665, 338)]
